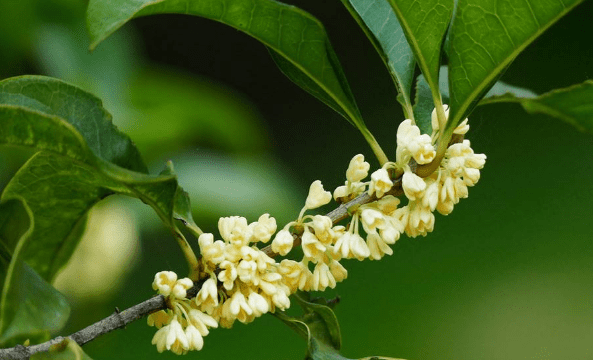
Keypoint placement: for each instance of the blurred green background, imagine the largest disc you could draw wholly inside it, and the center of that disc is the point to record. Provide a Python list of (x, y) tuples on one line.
[(507, 275)]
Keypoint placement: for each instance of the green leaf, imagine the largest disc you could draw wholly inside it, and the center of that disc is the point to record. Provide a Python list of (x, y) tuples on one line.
[(319, 327), (83, 124), (30, 308), (67, 177), (65, 350), (297, 40), (423, 106), (485, 37), (378, 21), (425, 23), (573, 104)]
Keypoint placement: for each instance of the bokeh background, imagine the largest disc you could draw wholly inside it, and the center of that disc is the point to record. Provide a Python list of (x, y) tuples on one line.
[(507, 275)]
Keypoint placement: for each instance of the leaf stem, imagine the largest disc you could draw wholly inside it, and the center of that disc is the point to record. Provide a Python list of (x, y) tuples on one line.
[(381, 157)]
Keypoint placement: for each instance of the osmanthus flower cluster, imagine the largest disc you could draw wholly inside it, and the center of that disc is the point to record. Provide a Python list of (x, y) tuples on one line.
[(240, 282)]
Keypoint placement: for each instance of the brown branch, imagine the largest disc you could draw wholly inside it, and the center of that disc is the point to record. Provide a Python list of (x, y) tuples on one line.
[(119, 319)]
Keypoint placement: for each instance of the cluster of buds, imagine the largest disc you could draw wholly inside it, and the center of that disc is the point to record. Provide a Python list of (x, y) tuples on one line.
[(181, 313), (241, 282)]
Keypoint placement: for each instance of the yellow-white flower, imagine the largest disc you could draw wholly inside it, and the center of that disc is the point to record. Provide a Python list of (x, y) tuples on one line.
[(413, 185), (171, 337), (228, 274), (380, 183), (202, 321), (322, 277), (283, 242), (257, 303), (311, 246), (195, 340), (358, 169), (317, 196), (207, 297), (338, 271), (181, 287), (263, 229), (377, 247), (436, 124), (159, 319), (164, 282)]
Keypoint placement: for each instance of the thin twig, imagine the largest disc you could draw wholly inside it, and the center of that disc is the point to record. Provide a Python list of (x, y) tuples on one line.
[(119, 320)]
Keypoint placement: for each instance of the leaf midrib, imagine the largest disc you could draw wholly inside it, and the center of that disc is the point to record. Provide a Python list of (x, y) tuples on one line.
[(501, 66)]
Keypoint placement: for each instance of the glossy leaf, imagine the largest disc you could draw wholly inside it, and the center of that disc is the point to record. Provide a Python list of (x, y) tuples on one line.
[(573, 104), (378, 21), (319, 326), (30, 308), (296, 39), (71, 109), (485, 37), (63, 181), (425, 23), (423, 106)]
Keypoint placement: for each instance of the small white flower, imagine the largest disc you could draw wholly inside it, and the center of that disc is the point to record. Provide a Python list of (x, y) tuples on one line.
[(263, 229), (181, 287), (228, 274), (317, 196), (431, 194), (322, 278), (171, 337), (436, 124), (214, 253), (380, 183), (164, 282), (387, 204), (283, 242), (311, 246), (358, 169), (281, 300), (207, 297), (377, 247), (239, 306), (258, 303), (247, 272), (462, 128), (341, 191), (422, 150), (159, 319), (205, 240), (471, 176), (413, 185), (338, 271), (202, 321), (475, 161), (371, 219), (294, 274), (406, 134), (234, 229), (195, 340)]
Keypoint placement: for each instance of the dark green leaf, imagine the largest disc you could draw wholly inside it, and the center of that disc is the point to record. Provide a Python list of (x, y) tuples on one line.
[(425, 23), (378, 21), (423, 106), (319, 327), (65, 350), (485, 37), (73, 109), (62, 182), (424, 102), (299, 41), (573, 104), (317, 315), (30, 308)]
